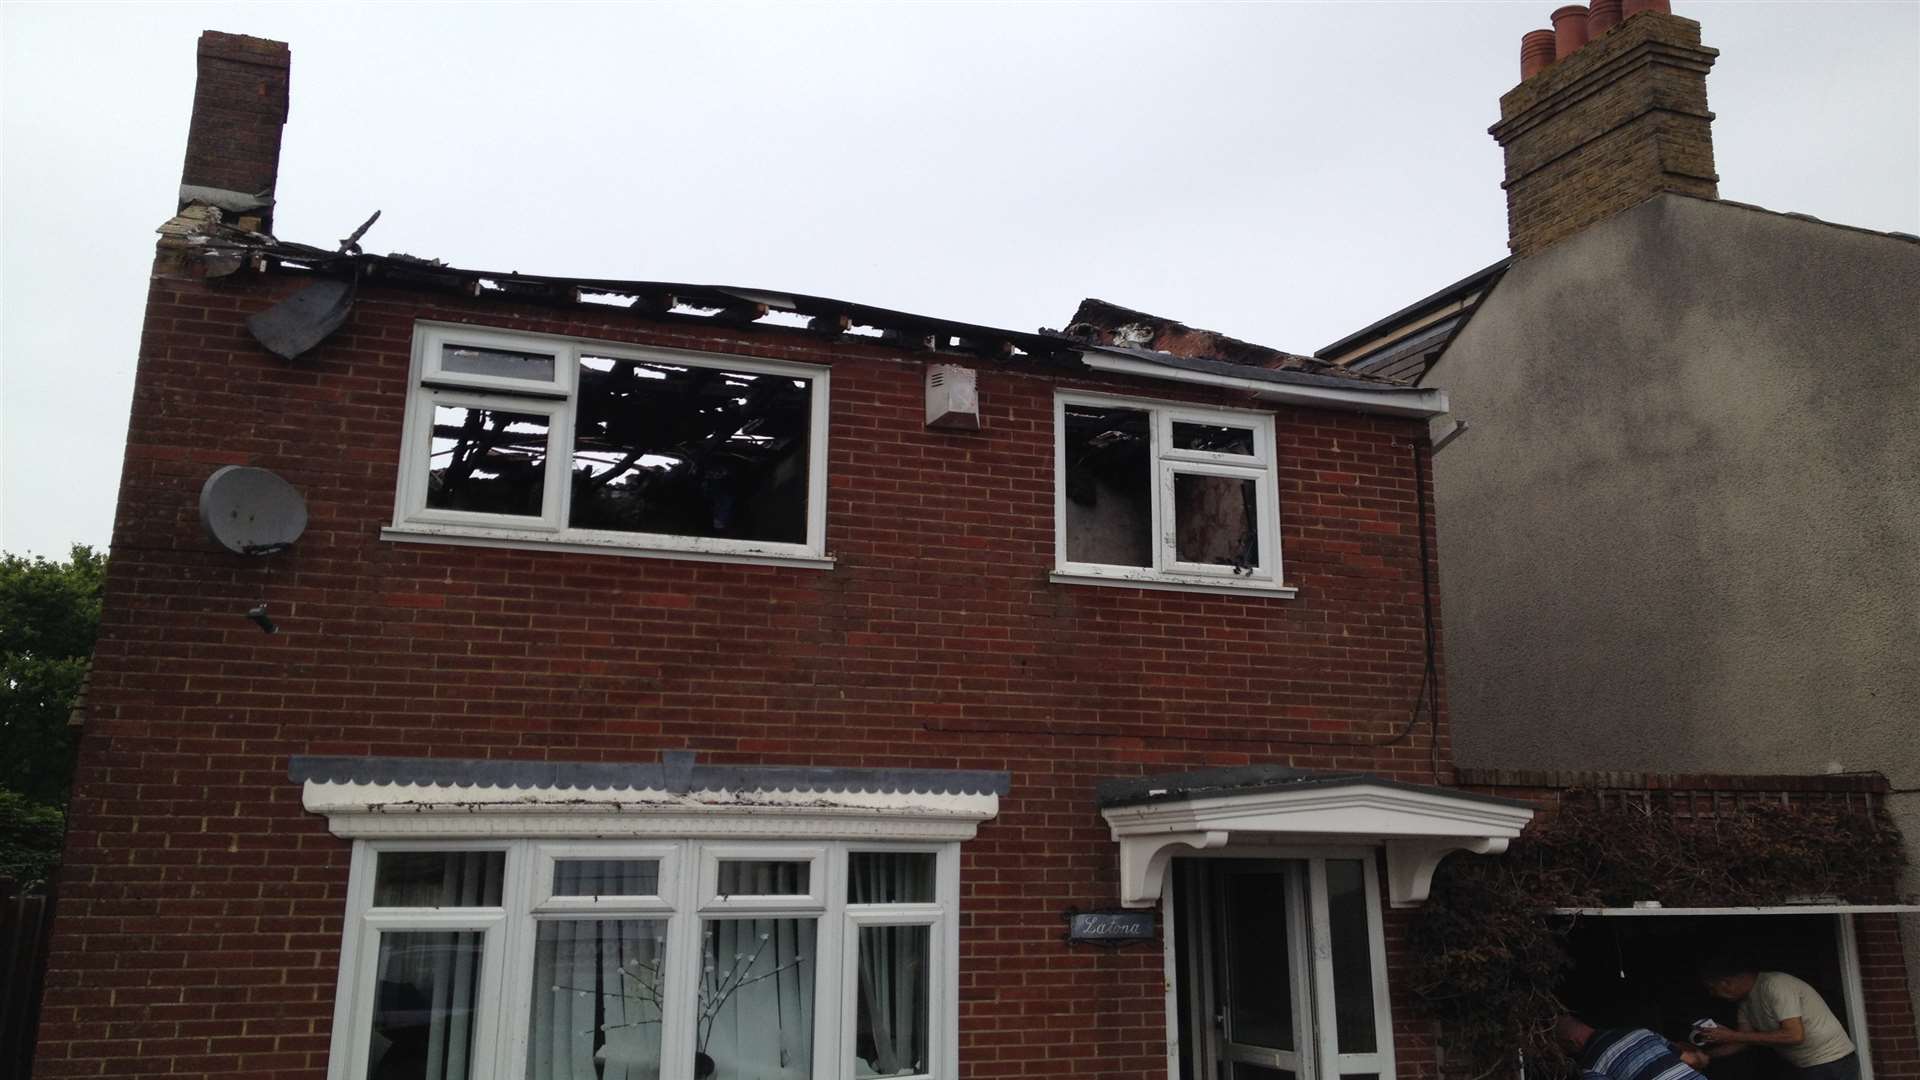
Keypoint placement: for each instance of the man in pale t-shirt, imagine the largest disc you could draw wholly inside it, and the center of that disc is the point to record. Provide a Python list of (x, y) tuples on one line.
[(1782, 1012)]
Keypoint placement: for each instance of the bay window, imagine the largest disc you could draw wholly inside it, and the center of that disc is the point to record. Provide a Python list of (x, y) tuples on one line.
[(619, 960)]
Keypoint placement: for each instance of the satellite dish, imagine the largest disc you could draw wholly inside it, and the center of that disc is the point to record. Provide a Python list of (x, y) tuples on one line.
[(251, 511)]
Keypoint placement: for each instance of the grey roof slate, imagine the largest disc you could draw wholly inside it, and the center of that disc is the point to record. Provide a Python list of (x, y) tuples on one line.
[(676, 773)]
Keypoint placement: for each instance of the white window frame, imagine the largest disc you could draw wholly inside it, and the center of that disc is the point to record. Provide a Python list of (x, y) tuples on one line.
[(430, 384), (1167, 571), (502, 1006)]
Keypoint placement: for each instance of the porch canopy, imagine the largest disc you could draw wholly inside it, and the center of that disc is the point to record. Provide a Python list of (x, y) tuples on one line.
[(1154, 817)]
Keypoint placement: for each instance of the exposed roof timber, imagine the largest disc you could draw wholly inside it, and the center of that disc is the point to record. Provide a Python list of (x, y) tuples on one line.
[(715, 304), (1286, 387)]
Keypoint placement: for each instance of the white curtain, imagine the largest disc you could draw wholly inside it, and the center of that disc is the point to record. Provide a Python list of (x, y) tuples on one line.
[(597, 984), (891, 1032), (756, 982), (428, 980)]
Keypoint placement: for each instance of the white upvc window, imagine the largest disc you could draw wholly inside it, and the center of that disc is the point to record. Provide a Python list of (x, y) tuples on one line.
[(1164, 495), (621, 960), (517, 439)]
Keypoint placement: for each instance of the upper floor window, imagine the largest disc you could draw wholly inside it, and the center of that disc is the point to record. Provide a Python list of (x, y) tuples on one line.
[(529, 438), (1161, 494)]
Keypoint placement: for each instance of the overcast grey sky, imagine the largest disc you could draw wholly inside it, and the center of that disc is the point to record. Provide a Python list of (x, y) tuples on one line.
[(1283, 172)]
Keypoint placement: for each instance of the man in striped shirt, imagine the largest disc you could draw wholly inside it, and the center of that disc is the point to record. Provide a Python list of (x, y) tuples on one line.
[(1627, 1053)]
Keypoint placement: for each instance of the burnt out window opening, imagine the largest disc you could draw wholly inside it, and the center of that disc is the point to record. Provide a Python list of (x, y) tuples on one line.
[(661, 449), (1159, 493)]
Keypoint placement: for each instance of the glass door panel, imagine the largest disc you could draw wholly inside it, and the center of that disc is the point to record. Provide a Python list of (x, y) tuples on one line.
[(1279, 970), (1258, 958)]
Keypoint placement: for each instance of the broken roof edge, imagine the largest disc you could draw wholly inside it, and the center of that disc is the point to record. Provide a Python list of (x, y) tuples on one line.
[(726, 305), (738, 307)]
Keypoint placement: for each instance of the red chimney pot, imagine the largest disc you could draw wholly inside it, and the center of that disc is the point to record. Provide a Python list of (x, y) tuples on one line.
[(1569, 30), (1630, 8), (1536, 53), (1602, 16)]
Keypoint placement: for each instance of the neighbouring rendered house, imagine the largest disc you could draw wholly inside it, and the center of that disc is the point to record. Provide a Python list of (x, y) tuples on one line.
[(526, 676), (1680, 522)]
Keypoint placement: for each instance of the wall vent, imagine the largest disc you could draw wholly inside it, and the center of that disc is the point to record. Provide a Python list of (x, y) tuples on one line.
[(953, 398)]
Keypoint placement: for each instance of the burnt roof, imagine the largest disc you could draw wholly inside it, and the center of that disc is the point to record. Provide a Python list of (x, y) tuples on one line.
[(1098, 322)]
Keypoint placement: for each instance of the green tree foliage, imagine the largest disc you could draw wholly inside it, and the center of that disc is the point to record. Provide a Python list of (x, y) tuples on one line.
[(30, 836), (49, 614)]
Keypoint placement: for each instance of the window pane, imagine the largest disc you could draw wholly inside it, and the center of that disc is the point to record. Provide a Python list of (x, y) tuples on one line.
[(1352, 956), (438, 878), (755, 1000), (597, 992), (488, 461), (1213, 438), (423, 1005), (606, 877), (1109, 486), (892, 1008), (890, 877), (1216, 520), (764, 877), (1244, 1071), (1259, 962), (690, 451), (501, 363)]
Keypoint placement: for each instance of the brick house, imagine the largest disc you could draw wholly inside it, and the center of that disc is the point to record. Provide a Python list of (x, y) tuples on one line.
[(674, 680), (677, 680)]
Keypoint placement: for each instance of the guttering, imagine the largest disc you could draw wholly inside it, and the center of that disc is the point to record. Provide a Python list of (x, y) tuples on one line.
[(1421, 401)]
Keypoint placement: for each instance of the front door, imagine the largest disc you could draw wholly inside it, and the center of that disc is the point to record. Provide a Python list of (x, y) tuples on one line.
[(1278, 973)]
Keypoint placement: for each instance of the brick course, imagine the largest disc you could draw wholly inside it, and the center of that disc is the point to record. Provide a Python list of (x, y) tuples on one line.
[(1607, 128), (202, 908)]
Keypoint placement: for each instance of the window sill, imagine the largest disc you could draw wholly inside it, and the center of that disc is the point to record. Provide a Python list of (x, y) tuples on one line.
[(467, 537), (1160, 584)]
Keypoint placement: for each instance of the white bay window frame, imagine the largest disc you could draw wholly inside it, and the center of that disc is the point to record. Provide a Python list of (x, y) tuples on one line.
[(430, 384), (1167, 464), (686, 898)]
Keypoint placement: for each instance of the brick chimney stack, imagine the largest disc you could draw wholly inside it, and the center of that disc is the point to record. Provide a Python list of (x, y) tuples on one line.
[(233, 141), (1605, 126)]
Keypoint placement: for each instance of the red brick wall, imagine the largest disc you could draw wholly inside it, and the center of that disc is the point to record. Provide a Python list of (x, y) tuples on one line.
[(201, 907), (1883, 979)]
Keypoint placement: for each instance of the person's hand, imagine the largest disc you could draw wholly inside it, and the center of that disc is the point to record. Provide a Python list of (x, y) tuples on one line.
[(1717, 1036), (1694, 1057)]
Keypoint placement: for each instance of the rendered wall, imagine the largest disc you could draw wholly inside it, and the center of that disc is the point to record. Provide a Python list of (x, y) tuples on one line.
[(1683, 533)]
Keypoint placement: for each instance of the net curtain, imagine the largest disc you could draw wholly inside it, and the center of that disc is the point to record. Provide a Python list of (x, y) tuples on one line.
[(597, 983)]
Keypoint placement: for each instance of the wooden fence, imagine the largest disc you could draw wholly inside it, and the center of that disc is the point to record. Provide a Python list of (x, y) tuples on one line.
[(26, 925)]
